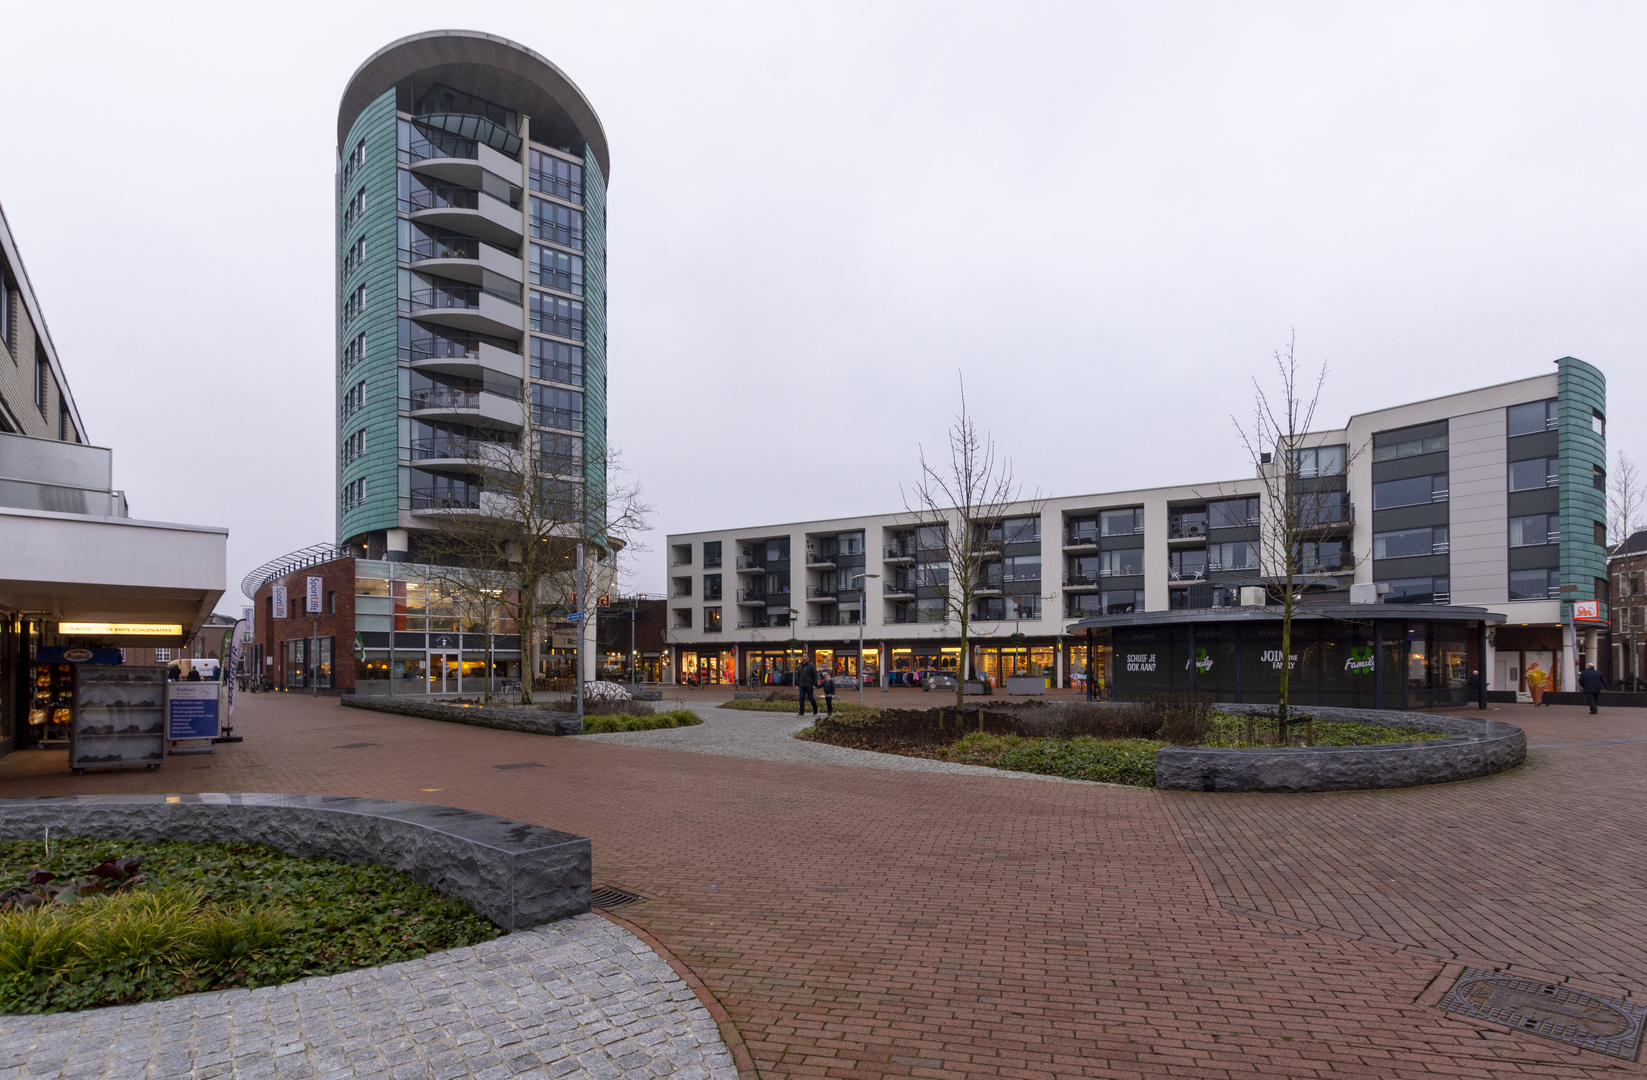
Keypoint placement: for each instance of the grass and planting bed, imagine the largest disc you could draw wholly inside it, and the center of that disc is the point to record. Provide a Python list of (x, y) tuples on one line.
[(1111, 743), (112, 922), (604, 717)]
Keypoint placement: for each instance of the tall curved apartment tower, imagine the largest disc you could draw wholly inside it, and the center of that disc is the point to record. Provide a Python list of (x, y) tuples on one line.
[(471, 279)]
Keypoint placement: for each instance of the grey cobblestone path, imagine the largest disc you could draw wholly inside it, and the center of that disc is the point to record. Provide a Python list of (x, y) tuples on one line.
[(770, 736), (576, 999)]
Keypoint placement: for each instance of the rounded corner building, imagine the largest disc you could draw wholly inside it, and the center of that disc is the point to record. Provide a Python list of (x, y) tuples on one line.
[(471, 280)]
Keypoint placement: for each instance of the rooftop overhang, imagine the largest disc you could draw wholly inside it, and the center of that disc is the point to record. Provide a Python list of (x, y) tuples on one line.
[(1340, 613), (490, 67), (84, 568)]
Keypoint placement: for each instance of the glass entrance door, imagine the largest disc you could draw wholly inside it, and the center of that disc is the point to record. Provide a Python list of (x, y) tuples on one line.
[(445, 673)]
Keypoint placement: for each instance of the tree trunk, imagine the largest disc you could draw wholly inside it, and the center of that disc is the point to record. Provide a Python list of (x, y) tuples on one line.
[(961, 668)]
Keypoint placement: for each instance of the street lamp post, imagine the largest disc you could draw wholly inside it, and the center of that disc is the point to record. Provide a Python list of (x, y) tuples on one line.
[(863, 609)]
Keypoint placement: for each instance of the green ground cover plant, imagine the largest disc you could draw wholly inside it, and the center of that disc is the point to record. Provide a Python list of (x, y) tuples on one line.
[(1109, 743), (602, 725), (207, 916), (843, 709)]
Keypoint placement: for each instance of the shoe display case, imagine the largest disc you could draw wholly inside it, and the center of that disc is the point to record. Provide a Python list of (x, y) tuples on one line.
[(119, 719), (51, 704)]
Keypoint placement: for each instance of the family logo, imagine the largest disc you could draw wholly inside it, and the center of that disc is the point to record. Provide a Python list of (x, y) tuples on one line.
[(1272, 657), (1203, 663), (1141, 661), (1361, 660)]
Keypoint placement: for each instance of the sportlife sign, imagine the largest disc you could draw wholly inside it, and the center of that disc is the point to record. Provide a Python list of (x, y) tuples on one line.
[(1141, 661), (280, 602), (1203, 662), (1360, 661), (1272, 657), (312, 599)]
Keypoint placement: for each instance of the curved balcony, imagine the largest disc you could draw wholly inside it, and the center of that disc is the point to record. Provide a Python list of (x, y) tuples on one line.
[(475, 214), (480, 408), (463, 161), (467, 307), (471, 360), (462, 258)]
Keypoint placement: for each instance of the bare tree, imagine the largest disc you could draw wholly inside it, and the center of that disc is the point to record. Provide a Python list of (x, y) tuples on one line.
[(1625, 502), (514, 549), (1305, 508), (961, 500)]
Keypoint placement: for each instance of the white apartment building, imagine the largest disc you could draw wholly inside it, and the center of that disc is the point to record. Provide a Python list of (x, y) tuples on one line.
[(1492, 498)]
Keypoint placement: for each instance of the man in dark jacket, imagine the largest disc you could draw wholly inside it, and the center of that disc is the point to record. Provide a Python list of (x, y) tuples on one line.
[(1592, 682), (806, 677)]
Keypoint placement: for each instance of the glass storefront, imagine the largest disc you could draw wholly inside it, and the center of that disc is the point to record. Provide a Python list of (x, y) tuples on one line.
[(1328, 662), (905, 664), (997, 663)]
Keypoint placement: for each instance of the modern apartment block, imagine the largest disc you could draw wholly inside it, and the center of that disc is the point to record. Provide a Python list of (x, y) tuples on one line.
[(471, 282), (34, 396), (1492, 498)]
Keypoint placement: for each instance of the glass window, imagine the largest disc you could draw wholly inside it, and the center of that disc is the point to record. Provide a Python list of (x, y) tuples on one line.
[(1532, 417), (1389, 445), (712, 553), (1535, 530), (1233, 513), (1421, 590), (1412, 491), (1535, 584), (1082, 530), (777, 550), (556, 224), (1187, 565), (1021, 568), (711, 586), (553, 407), (1026, 530), (1598, 476), (1319, 461), (1404, 543), (930, 539), (557, 315), (1323, 507), (1122, 601), (1186, 521), (1083, 570), (1022, 606), (1122, 522), (556, 269), (557, 361), (1324, 555), (555, 176), (1121, 563), (1236, 555), (1536, 473)]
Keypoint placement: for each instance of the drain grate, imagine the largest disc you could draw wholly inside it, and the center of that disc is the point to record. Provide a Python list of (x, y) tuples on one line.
[(609, 896), (1603, 1024), (354, 746), (521, 765)]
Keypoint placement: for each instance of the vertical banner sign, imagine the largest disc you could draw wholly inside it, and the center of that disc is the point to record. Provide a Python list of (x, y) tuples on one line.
[(312, 605), (246, 617), (280, 602), (232, 668)]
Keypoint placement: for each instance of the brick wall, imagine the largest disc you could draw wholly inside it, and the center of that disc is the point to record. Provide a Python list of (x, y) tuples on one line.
[(337, 578)]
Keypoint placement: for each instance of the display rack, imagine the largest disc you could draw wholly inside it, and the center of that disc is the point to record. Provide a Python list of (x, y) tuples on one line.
[(51, 706), (119, 717)]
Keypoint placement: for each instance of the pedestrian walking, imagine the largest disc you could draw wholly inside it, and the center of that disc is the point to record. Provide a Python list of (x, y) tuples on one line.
[(806, 678), (1592, 682), (829, 695)]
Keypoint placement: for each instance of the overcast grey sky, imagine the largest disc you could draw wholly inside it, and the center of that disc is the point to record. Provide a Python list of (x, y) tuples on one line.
[(1107, 216)]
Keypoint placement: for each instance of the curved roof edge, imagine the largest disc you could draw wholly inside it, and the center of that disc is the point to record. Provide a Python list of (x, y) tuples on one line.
[(438, 48)]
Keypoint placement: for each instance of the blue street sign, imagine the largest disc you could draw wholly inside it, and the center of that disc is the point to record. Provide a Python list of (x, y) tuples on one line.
[(575, 616)]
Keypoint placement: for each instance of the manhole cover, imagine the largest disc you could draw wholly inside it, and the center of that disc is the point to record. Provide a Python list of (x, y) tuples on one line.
[(609, 897), (520, 765), (354, 746), (1603, 1024)]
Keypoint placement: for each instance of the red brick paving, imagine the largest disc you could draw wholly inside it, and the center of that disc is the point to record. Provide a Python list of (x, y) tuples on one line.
[(866, 923)]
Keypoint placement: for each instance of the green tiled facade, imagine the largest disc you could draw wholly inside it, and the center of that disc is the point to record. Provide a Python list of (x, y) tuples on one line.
[(1582, 396), (594, 346), (378, 367)]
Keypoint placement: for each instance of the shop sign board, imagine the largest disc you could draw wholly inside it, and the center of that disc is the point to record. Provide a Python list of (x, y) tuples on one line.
[(1586, 610), (312, 599), (191, 710), (280, 602)]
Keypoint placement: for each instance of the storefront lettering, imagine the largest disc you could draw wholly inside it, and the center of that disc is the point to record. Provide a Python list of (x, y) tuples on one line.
[(1203, 662), (1272, 657), (1360, 661), (1140, 661)]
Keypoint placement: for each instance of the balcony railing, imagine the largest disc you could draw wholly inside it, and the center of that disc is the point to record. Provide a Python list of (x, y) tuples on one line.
[(1186, 575), (1186, 530), (751, 596), (712, 628), (1081, 539), (445, 397), (444, 448), (1441, 598), (444, 246), (899, 553), (440, 500), (424, 145), (748, 565)]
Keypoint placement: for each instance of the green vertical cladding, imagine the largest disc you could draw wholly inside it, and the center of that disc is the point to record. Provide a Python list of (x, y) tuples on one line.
[(379, 366), (594, 347), (1582, 393)]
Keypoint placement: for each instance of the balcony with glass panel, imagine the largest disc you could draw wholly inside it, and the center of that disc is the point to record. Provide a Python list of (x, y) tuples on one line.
[(1081, 536), (458, 257), (447, 452), (752, 597), (440, 155), (1078, 582), (460, 209), (452, 352), (820, 555), (462, 306), (469, 404)]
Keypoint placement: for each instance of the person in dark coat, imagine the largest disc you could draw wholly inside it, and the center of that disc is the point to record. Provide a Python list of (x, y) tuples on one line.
[(806, 678), (829, 694), (1592, 682)]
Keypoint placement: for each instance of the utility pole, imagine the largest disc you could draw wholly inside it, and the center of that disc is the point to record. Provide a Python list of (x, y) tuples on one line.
[(863, 609), (577, 653)]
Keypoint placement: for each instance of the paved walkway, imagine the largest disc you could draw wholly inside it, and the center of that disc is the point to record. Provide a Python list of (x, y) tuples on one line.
[(861, 923), (770, 736), (578, 999)]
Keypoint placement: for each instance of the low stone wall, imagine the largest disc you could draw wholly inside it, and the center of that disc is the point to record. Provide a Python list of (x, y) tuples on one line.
[(1470, 749), (534, 721), (515, 874)]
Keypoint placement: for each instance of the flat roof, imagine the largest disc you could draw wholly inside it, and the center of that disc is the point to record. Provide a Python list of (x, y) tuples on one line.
[(1311, 613)]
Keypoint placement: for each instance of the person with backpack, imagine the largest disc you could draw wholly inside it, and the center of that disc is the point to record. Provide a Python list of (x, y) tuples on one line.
[(806, 678)]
